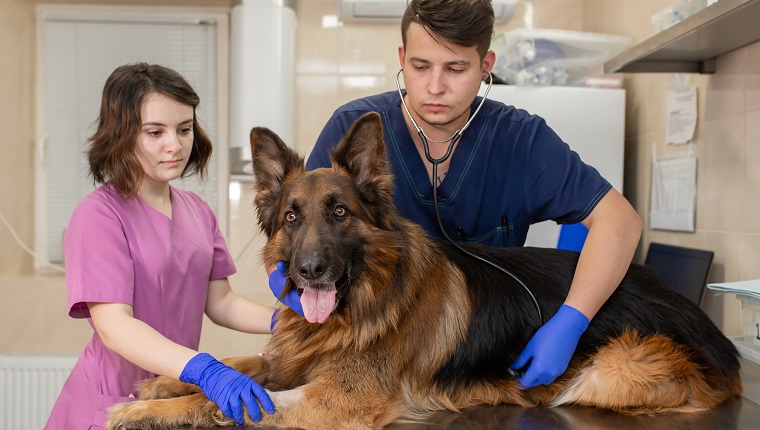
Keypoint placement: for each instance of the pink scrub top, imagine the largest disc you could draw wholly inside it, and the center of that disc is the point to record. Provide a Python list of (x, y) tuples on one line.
[(121, 250)]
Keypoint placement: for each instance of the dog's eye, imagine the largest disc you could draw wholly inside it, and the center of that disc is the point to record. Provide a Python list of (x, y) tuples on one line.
[(341, 211), (290, 217)]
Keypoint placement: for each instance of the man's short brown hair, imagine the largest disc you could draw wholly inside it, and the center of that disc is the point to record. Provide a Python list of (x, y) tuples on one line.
[(460, 22)]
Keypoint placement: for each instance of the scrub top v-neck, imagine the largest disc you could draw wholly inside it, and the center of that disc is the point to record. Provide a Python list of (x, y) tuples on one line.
[(413, 164)]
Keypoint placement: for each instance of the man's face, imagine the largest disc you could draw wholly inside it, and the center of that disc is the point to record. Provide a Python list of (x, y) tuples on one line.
[(441, 80)]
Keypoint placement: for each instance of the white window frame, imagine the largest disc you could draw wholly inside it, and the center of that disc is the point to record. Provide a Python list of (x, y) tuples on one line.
[(46, 12)]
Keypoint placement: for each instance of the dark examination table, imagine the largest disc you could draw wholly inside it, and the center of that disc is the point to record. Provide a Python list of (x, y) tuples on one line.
[(741, 414)]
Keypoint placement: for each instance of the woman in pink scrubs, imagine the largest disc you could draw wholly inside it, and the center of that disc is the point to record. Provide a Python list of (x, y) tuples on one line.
[(145, 260)]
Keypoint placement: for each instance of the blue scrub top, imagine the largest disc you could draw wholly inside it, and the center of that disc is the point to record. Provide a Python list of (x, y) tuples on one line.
[(509, 170)]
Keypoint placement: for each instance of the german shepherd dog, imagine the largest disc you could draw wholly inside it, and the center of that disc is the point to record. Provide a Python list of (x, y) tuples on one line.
[(398, 325)]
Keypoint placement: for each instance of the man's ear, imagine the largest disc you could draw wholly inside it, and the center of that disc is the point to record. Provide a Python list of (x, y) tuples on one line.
[(489, 60), (401, 56)]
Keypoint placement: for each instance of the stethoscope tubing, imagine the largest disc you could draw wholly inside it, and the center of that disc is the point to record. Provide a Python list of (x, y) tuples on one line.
[(436, 161), (454, 137)]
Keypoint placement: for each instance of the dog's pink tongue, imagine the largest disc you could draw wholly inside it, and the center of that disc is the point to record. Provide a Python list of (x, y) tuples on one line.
[(318, 301)]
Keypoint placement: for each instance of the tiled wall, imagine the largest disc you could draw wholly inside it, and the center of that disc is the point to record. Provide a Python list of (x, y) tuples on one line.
[(727, 146), (335, 65)]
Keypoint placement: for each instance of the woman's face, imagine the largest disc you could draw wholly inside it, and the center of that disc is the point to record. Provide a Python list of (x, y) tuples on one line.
[(165, 139)]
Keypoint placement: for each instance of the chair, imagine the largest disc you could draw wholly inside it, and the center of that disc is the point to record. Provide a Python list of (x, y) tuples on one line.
[(685, 269)]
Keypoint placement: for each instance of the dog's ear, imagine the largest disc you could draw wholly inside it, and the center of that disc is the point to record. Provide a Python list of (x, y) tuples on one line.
[(362, 154), (273, 161)]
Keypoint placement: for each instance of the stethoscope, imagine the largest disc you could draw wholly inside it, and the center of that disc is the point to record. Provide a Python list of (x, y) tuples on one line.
[(454, 137), (436, 161)]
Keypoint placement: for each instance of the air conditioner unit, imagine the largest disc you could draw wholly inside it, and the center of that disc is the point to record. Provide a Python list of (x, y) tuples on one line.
[(390, 11)]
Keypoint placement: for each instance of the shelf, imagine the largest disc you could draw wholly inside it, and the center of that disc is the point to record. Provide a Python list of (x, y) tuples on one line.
[(691, 45)]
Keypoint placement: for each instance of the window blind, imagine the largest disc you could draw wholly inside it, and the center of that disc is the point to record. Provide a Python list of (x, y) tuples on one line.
[(79, 55)]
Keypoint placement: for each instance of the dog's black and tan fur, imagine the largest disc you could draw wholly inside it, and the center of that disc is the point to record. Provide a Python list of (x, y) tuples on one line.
[(418, 327)]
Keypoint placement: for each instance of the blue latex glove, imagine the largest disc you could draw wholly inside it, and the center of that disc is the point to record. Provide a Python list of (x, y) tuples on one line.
[(227, 387), (277, 281), (274, 321), (550, 349)]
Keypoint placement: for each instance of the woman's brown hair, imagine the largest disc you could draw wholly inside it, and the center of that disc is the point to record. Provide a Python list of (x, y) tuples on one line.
[(461, 22), (111, 151)]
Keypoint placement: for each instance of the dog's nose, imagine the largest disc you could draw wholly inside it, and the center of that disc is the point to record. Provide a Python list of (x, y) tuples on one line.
[(311, 268)]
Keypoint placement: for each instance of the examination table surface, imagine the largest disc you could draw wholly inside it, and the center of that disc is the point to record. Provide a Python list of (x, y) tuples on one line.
[(740, 414)]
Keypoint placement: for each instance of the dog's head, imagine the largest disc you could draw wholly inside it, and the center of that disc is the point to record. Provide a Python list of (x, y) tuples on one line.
[(320, 222)]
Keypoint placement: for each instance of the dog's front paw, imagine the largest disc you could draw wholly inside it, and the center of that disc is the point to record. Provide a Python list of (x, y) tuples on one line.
[(164, 414), (131, 416), (164, 387)]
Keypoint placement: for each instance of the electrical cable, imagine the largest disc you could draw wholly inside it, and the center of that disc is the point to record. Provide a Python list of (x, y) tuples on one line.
[(26, 248)]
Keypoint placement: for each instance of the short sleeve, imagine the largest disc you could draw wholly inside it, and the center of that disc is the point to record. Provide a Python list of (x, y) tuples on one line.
[(99, 267), (560, 186), (223, 265)]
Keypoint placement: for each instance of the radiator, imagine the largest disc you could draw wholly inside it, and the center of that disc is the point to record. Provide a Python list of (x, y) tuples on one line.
[(29, 386)]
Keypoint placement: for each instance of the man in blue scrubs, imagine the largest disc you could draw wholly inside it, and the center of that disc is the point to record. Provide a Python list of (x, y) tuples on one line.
[(507, 171)]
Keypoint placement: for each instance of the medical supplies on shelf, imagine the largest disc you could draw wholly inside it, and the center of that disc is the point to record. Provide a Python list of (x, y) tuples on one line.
[(677, 12), (553, 57)]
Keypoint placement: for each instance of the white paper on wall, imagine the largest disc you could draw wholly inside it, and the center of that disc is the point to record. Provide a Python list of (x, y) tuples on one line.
[(674, 194), (682, 115)]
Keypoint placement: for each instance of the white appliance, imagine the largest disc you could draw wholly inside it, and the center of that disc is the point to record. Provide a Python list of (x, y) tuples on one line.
[(391, 11), (262, 74), (590, 120)]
